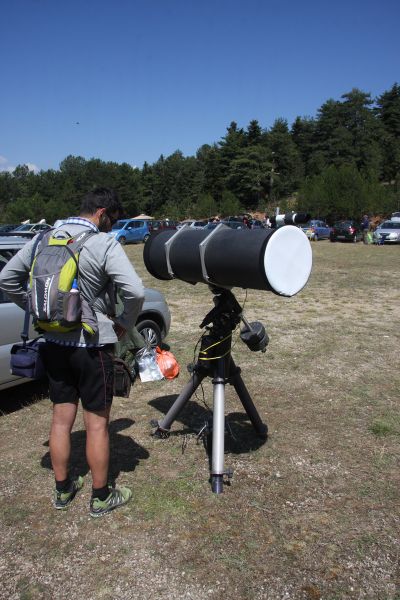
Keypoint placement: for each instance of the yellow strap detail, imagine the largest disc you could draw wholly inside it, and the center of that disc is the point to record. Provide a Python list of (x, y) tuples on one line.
[(58, 242), (55, 326)]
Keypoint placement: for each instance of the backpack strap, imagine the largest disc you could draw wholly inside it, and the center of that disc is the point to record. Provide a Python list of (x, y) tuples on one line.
[(25, 331), (83, 240), (92, 301)]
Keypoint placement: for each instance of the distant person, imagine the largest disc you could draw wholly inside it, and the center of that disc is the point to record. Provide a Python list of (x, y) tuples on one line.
[(365, 225), (79, 365)]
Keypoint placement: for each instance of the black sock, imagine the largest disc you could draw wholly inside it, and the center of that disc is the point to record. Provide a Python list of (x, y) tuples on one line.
[(63, 486), (101, 493)]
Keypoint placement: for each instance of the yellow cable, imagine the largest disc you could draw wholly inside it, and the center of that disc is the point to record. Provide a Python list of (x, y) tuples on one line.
[(212, 346)]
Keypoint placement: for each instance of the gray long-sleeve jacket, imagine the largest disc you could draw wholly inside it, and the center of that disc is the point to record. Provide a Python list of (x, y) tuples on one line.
[(103, 264)]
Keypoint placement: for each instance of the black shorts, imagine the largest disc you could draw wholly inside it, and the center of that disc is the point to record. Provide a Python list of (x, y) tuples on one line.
[(85, 373)]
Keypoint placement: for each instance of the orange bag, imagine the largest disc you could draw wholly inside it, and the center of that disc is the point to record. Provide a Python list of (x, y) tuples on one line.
[(167, 363)]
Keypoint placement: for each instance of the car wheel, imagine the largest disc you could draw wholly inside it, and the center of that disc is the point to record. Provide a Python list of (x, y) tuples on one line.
[(146, 237), (150, 332), (122, 240)]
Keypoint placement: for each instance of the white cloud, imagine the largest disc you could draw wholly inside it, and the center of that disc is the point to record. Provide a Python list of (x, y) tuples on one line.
[(6, 166)]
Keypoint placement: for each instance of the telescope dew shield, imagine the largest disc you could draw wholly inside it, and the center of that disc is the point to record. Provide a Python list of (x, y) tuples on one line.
[(277, 260)]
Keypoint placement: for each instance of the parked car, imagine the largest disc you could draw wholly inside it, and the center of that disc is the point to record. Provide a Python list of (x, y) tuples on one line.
[(349, 231), (387, 232), (29, 229), (161, 225), (153, 322), (231, 224), (6, 227), (192, 223), (131, 231), (212, 225), (236, 219), (234, 224), (316, 230), (155, 318)]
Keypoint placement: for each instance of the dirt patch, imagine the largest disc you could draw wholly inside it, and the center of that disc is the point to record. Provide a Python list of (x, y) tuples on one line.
[(312, 513)]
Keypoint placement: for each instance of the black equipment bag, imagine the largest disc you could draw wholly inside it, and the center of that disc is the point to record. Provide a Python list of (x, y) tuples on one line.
[(26, 360), (123, 378)]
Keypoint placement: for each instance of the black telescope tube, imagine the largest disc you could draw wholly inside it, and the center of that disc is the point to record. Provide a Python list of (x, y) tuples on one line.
[(233, 258)]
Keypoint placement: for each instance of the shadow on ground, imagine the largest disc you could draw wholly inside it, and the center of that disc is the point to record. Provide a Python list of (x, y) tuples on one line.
[(125, 454), (240, 434), (18, 397)]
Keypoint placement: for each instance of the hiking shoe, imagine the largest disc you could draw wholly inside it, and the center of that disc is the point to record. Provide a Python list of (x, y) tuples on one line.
[(63, 499), (118, 497)]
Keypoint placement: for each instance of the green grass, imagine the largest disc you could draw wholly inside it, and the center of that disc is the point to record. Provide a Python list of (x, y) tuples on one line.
[(386, 425)]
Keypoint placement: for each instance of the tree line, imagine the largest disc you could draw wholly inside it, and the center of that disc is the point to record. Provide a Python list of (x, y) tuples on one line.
[(343, 162)]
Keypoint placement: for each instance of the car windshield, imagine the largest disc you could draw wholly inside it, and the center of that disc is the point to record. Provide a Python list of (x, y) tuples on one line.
[(118, 225), (23, 227), (389, 225)]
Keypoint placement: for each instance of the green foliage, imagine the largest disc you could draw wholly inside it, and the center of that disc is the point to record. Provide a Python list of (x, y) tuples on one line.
[(206, 207), (340, 192), (246, 175), (388, 112), (286, 161), (22, 209), (229, 204)]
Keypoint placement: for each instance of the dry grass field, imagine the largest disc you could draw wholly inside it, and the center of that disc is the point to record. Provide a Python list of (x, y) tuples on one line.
[(312, 513)]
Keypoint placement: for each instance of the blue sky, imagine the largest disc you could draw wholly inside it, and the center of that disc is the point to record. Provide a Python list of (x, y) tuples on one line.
[(128, 81)]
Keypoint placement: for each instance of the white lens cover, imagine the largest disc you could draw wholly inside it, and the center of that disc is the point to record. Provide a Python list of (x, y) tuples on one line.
[(288, 260)]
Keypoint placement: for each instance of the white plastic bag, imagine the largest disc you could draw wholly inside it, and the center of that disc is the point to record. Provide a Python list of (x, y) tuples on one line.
[(148, 367)]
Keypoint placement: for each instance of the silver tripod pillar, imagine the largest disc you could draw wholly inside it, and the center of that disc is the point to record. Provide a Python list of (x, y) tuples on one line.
[(218, 435)]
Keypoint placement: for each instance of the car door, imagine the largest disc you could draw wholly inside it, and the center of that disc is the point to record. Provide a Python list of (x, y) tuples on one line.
[(321, 230), (129, 231), (138, 231), (325, 230)]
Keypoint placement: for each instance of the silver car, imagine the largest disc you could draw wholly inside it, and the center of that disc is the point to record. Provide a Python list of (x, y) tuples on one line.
[(153, 322), (387, 232), (29, 229), (192, 223)]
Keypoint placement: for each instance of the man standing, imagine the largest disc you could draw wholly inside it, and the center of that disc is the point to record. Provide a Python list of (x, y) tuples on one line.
[(365, 228), (79, 364)]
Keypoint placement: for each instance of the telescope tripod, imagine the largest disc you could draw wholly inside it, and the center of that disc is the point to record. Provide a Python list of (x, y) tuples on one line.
[(215, 361)]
